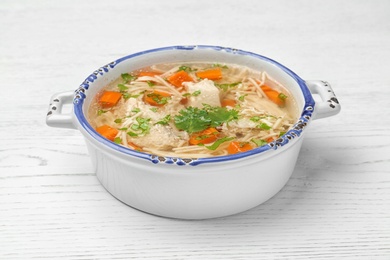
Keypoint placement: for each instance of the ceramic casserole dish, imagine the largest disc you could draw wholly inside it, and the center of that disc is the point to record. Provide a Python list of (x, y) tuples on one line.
[(188, 188)]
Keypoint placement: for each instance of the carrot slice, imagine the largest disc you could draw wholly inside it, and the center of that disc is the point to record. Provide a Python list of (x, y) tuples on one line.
[(179, 77), (148, 73), (109, 99), (212, 74), (228, 102), (273, 95), (107, 132), (239, 147), (206, 136), (134, 146), (156, 98)]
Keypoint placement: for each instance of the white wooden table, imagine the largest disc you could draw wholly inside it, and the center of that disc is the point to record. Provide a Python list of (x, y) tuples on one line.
[(337, 202)]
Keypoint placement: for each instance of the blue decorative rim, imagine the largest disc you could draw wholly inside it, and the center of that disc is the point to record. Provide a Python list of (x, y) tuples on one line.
[(294, 132)]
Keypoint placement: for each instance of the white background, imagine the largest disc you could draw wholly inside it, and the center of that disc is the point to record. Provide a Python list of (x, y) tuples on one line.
[(337, 202)]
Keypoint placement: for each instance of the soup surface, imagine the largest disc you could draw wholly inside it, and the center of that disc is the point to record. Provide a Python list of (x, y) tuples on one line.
[(193, 110)]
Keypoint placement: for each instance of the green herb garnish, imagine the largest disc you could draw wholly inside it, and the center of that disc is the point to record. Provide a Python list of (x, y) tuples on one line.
[(150, 83), (136, 110), (264, 126), (132, 134), (226, 86), (122, 87), (165, 120), (241, 98), (194, 94), (128, 78), (217, 143), (282, 96), (117, 140), (194, 119), (159, 99), (220, 66), (259, 142), (140, 128), (101, 111), (186, 68)]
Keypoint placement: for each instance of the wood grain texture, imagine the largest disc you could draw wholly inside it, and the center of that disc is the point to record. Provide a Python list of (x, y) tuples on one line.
[(335, 206)]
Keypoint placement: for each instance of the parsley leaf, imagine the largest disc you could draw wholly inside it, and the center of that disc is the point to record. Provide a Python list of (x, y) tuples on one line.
[(259, 142), (101, 112), (225, 86), (186, 68), (122, 88), (193, 119), (164, 121), (282, 96), (217, 143), (127, 77), (264, 126), (117, 140), (140, 128), (220, 115)]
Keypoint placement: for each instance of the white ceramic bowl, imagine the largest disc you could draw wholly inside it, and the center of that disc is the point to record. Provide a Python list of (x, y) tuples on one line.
[(193, 188)]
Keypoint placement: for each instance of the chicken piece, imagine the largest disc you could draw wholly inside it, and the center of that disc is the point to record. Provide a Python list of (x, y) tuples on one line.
[(161, 137), (203, 92)]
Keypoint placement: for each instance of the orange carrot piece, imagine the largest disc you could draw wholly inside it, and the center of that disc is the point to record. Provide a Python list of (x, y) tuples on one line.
[(156, 98), (228, 102), (107, 132), (109, 98), (212, 74), (134, 146), (206, 136), (239, 147), (179, 77), (270, 139), (273, 95), (148, 73)]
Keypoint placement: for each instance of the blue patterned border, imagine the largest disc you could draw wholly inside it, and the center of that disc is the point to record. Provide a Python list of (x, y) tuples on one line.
[(294, 132)]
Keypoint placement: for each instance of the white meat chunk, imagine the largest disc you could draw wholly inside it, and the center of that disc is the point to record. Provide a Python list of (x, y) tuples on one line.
[(203, 92), (160, 137)]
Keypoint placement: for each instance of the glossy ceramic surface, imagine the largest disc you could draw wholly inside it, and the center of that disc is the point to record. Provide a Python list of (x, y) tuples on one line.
[(194, 188)]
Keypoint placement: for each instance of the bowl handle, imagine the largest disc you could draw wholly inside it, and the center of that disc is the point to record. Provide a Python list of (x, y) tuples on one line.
[(329, 106), (55, 117)]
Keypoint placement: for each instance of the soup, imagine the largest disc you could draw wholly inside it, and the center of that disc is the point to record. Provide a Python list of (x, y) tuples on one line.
[(193, 110)]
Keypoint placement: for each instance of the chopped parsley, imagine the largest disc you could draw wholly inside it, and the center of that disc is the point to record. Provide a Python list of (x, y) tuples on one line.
[(101, 111), (264, 126), (186, 68), (217, 65), (140, 128), (226, 86), (241, 98), (282, 96), (117, 140), (150, 83), (194, 94), (217, 143), (259, 142), (122, 88), (128, 78), (136, 110), (193, 119), (159, 99), (164, 121)]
